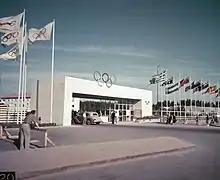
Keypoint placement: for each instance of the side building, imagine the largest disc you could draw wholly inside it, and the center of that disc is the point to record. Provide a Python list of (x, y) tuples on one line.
[(69, 92)]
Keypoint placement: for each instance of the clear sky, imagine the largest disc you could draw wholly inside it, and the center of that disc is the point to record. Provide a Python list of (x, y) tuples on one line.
[(126, 38)]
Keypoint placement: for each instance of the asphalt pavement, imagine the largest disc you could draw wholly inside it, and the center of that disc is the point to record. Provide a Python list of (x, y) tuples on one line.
[(201, 164)]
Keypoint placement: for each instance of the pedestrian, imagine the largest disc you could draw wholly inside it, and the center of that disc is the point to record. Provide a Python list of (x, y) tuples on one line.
[(197, 119), (113, 117), (25, 132), (84, 118), (116, 117), (207, 119)]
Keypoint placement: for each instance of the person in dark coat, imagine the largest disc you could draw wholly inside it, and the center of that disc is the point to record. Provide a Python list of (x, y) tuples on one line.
[(113, 117)]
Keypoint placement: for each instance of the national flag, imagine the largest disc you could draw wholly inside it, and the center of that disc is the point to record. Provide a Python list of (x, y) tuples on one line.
[(187, 88), (211, 90), (169, 81), (217, 90), (10, 55), (194, 85), (173, 86), (218, 94), (184, 81), (11, 37), (42, 34), (167, 91), (198, 88), (11, 23), (205, 85)]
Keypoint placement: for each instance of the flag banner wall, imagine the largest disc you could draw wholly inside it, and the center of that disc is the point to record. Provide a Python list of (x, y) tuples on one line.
[(10, 55), (11, 37), (11, 23), (169, 81), (42, 34)]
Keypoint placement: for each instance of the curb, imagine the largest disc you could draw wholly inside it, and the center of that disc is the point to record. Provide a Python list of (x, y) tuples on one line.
[(34, 174)]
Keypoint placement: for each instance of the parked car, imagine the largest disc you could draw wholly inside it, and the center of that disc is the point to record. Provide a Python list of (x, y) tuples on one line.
[(93, 118)]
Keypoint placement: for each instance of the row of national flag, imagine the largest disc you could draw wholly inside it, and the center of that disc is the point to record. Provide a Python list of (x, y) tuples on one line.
[(194, 86), (12, 31)]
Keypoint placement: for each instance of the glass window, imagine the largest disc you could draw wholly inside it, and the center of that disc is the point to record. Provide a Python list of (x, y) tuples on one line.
[(124, 106), (116, 107)]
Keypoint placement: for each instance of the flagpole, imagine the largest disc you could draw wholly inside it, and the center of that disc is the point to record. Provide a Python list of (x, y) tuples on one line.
[(23, 72), (218, 91), (166, 95), (20, 73), (52, 74), (180, 94), (174, 99), (191, 99), (185, 104)]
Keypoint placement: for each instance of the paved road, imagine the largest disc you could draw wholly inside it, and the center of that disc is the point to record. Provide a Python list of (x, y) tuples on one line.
[(202, 164)]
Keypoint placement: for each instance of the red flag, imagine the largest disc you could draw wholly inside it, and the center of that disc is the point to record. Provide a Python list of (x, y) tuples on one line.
[(212, 89)]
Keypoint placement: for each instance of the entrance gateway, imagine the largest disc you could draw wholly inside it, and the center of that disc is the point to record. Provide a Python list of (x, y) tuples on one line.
[(70, 94)]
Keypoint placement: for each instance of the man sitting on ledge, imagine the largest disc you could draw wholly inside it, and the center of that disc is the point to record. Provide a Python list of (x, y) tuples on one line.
[(25, 132)]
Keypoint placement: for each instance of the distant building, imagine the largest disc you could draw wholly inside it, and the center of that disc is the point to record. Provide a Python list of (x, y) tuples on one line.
[(9, 107)]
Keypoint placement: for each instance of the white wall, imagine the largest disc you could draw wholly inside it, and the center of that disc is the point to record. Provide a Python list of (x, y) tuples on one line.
[(44, 100)]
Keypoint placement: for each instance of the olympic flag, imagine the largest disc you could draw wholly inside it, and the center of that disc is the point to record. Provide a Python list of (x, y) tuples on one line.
[(11, 23), (11, 37), (10, 55), (42, 34)]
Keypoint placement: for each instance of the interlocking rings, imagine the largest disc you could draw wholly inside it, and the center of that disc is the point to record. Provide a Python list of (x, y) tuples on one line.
[(12, 53), (104, 78), (12, 23), (40, 34), (9, 36)]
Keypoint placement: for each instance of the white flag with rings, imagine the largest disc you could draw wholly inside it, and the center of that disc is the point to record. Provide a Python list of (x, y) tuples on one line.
[(10, 55), (11, 23), (42, 34), (11, 37)]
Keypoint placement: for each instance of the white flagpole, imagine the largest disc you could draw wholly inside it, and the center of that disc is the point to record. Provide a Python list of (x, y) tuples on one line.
[(174, 98), (166, 94), (180, 94), (210, 99), (25, 86), (20, 74), (191, 97), (185, 103), (218, 99), (23, 73), (52, 74)]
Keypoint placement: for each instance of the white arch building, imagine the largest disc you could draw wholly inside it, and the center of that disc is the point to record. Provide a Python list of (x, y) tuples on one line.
[(69, 90)]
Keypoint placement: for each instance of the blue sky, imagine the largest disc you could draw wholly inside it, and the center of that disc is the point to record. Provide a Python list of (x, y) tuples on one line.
[(126, 38)]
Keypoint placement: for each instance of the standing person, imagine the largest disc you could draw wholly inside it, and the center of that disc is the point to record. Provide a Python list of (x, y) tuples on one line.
[(25, 132), (84, 118), (113, 117), (207, 119), (116, 117), (197, 119)]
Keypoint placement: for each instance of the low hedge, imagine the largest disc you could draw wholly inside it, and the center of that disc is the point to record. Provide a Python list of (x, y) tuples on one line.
[(15, 125)]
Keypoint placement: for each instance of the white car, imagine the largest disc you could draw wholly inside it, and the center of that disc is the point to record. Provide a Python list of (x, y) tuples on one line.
[(93, 118)]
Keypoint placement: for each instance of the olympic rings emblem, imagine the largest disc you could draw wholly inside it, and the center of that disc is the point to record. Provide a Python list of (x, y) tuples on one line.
[(12, 23), (40, 34), (9, 36), (104, 78), (12, 53)]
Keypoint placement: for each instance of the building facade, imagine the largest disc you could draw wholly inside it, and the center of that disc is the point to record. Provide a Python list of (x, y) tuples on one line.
[(69, 92)]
